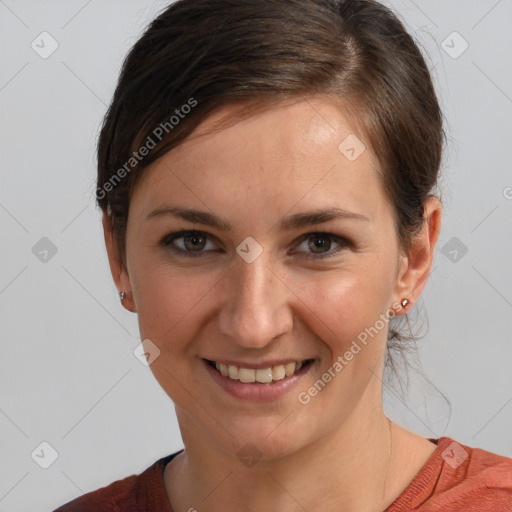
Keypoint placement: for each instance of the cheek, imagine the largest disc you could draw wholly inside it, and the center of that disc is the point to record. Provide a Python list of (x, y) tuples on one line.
[(342, 306), (170, 304), (344, 312), (171, 313)]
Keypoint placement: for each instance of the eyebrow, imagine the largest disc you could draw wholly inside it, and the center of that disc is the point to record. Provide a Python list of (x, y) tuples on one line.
[(295, 221)]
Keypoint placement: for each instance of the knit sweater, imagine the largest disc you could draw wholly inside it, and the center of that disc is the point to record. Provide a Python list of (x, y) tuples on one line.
[(454, 478)]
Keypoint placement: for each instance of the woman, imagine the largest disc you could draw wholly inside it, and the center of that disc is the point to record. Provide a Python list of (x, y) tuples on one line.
[(266, 173)]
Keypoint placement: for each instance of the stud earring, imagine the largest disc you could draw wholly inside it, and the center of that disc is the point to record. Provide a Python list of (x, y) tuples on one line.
[(404, 303), (122, 295)]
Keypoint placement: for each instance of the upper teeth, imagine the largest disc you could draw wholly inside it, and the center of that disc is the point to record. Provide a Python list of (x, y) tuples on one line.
[(262, 375)]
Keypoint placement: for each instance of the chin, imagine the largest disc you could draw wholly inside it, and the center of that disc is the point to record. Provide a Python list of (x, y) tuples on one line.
[(263, 439)]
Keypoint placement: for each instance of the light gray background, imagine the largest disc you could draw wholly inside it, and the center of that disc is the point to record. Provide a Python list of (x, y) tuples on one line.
[(68, 373)]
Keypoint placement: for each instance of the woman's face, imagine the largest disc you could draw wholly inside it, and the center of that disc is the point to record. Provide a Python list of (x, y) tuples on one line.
[(257, 285)]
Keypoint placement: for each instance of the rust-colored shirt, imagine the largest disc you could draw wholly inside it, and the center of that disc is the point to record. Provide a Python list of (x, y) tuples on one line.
[(455, 478)]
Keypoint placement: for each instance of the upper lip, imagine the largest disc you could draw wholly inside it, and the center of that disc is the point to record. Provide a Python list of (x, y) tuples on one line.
[(259, 365)]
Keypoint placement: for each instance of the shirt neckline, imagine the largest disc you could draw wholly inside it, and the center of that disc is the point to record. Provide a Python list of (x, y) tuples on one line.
[(414, 494), (419, 489)]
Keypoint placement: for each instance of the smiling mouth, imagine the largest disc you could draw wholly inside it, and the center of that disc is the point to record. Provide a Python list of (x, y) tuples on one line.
[(261, 375)]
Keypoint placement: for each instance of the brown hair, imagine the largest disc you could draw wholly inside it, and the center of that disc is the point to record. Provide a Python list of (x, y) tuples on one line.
[(200, 55)]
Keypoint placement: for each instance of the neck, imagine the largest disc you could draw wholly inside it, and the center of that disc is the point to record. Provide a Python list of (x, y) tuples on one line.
[(346, 470)]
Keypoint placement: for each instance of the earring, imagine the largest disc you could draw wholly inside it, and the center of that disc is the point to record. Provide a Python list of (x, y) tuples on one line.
[(122, 295), (404, 303)]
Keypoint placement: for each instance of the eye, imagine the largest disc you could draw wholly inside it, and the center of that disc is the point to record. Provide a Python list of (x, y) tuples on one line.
[(197, 244), (188, 243), (319, 245)]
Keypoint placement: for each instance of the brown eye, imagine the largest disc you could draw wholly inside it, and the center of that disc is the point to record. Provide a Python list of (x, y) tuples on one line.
[(194, 242), (319, 243), (189, 243)]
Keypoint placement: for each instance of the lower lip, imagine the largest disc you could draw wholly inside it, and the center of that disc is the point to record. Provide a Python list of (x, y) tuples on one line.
[(255, 390)]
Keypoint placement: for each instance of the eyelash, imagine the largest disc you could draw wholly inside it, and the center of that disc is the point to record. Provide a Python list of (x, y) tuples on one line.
[(168, 239)]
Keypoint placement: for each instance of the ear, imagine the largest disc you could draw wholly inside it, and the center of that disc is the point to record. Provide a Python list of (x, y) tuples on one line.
[(415, 267), (117, 266)]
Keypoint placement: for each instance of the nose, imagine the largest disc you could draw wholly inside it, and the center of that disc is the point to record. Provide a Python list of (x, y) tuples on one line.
[(256, 309)]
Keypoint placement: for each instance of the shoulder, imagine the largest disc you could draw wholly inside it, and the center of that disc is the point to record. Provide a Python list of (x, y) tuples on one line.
[(134, 493), (460, 478), (110, 498), (476, 477)]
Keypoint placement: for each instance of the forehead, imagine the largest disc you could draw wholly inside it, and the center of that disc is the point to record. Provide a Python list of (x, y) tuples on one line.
[(305, 151)]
